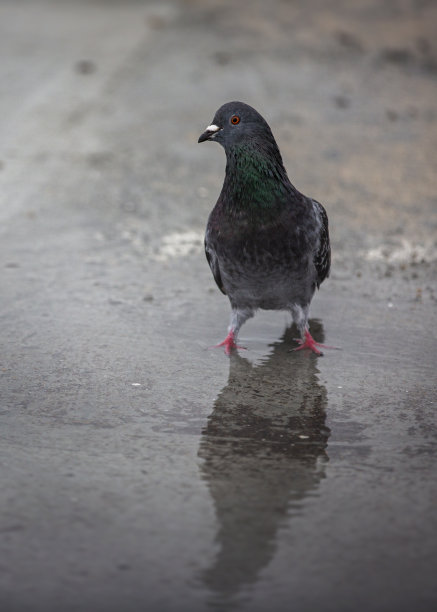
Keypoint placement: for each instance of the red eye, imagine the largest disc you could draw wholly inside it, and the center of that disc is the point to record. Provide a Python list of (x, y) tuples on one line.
[(235, 119)]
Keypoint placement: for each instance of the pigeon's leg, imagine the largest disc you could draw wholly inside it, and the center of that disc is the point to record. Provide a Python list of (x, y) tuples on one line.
[(307, 341), (238, 317), (300, 317)]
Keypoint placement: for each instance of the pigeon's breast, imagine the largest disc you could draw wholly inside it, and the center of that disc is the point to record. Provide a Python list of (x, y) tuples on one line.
[(265, 272)]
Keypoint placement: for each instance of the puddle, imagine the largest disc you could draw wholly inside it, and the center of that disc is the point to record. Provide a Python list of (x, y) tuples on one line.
[(264, 451)]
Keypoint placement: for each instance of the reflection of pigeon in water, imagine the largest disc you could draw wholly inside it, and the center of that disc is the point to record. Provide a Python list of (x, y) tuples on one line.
[(264, 452), (266, 243)]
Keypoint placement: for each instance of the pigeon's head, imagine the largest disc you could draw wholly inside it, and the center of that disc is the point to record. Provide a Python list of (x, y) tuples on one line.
[(237, 123)]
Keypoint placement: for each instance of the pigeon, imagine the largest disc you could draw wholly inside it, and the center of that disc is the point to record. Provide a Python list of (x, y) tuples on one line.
[(266, 243)]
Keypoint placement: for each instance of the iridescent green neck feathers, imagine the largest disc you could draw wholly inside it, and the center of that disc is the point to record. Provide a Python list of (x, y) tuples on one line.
[(255, 179)]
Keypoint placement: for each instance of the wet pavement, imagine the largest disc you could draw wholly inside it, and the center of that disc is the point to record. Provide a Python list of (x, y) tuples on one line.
[(140, 469)]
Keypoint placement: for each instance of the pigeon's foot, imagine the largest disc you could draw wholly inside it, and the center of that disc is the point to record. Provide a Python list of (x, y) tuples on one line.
[(229, 343), (309, 343)]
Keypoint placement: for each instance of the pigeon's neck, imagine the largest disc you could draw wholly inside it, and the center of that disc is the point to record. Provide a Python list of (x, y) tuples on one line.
[(255, 179)]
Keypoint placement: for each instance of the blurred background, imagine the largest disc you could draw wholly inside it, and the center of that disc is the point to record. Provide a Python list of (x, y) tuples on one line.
[(117, 92), (131, 454)]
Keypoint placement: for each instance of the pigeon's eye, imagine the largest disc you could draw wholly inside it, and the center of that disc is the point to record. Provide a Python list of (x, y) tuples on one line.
[(235, 119)]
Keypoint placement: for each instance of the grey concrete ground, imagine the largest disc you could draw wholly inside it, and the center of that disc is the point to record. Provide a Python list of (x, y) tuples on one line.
[(140, 470)]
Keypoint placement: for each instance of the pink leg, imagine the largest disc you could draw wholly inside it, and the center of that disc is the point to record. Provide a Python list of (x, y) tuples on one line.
[(229, 343), (311, 344)]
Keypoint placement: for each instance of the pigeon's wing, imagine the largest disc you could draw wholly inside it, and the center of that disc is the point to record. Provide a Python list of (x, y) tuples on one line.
[(213, 264), (322, 259)]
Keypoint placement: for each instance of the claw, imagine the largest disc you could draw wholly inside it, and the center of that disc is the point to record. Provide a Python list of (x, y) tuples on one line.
[(229, 344), (310, 343)]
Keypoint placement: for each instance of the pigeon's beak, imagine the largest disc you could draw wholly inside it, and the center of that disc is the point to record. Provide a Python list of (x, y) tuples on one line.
[(209, 133)]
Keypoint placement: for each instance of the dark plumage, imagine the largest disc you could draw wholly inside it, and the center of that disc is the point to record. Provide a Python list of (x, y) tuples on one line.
[(266, 243)]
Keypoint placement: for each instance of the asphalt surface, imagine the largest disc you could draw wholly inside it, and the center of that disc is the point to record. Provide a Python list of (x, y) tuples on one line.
[(140, 469)]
